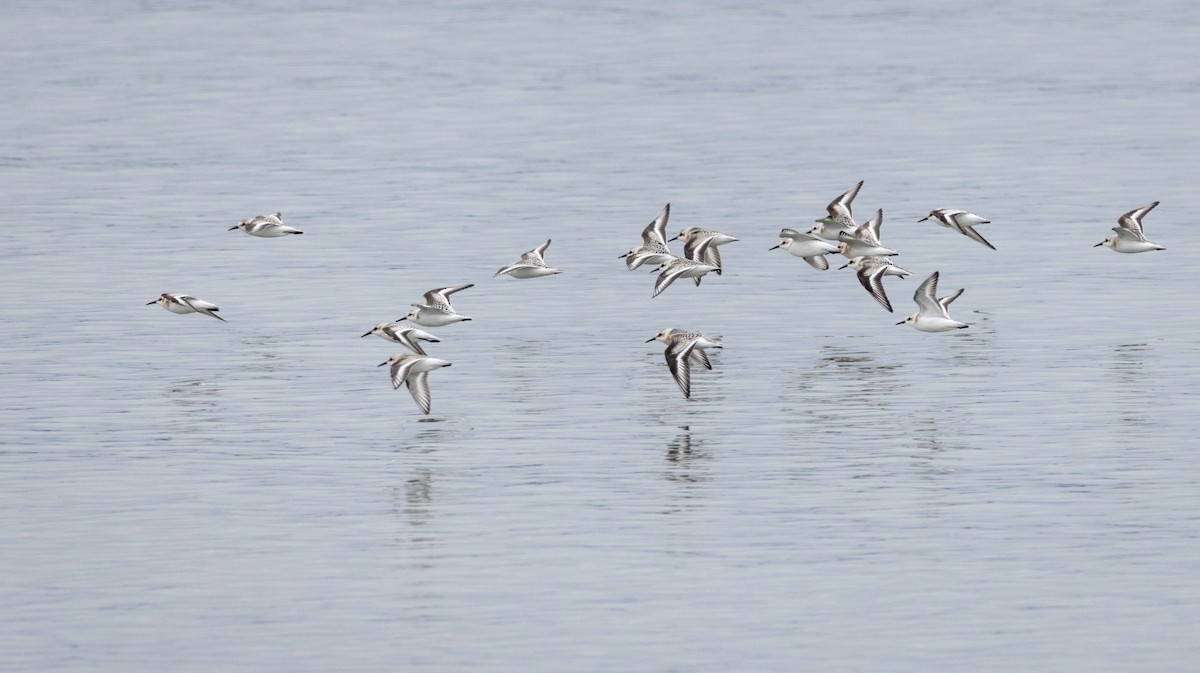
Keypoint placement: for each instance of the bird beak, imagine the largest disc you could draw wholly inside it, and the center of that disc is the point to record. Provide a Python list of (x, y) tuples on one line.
[(381, 364), (843, 266), (1094, 246), (367, 334), (623, 256), (151, 302), (672, 239), (232, 228), (900, 323), (651, 339), (772, 248), (923, 218)]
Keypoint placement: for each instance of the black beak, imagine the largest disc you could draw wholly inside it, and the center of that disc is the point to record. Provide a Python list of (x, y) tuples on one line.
[(900, 323), (843, 266), (651, 339), (232, 228), (151, 302), (367, 334), (772, 248), (623, 256), (923, 218), (381, 364), (672, 239), (1094, 246)]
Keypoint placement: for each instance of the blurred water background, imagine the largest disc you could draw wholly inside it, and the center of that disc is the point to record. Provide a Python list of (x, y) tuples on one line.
[(841, 493)]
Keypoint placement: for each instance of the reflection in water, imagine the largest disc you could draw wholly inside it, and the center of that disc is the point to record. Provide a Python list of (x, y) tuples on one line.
[(267, 364), (845, 381), (681, 455), (194, 394), (977, 345), (413, 502), (686, 466), (417, 495), (1128, 364), (928, 445)]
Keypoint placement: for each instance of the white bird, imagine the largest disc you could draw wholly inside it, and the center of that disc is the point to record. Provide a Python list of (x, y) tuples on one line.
[(811, 249), (679, 267), (683, 346), (1129, 237), (700, 245), (933, 315), (840, 217), (266, 226), (531, 265), (653, 249), (961, 221), (402, 334), (437, 311), (183, 303), (871, 271), (864, 241), (413, 371)]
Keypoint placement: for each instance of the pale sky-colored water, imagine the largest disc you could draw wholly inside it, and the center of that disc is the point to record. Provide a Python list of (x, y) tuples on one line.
[(841, 493)]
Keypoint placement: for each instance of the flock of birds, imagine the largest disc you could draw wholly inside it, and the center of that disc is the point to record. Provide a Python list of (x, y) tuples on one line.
[(837, 232)]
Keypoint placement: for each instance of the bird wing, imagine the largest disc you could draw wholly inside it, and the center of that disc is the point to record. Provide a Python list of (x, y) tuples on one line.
[(1133, 219), (656, 231), (970, 232), (926, 298), (400, 369), (872, 279), (678, 361), (418, 385), (945, 302), (869, 232), (818, 262), (839, 208)]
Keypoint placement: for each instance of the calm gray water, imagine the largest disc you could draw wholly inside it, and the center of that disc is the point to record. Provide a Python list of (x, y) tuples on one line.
[(841, 494)]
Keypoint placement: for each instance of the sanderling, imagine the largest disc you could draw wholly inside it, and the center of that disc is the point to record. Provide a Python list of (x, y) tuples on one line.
[(402, 334), (182, 303), (1129, 236), (811, 249), (437, 311), (840, 218), (679, 267), (933, 315), (413, 371), (531, 265), (266, 226), (864, 241), (700, 245), (683, 346), (960, 221), (653, 249), (871, 271)]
